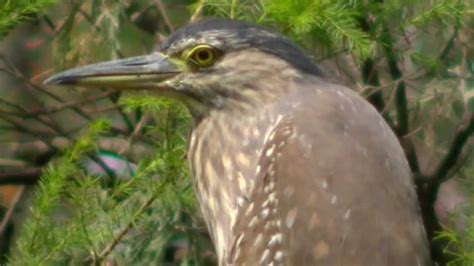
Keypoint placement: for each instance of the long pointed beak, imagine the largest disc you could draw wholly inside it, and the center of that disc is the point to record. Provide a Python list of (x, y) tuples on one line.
[(126, 73)]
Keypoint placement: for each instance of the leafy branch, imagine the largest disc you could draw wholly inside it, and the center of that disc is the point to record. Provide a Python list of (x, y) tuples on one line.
[(48, 195), (14, 12)]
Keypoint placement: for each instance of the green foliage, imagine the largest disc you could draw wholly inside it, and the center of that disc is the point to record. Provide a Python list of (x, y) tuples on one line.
[(235, 9), (79, 218), (38, 233), (336, 25), (460, 246), (335, 19), (427, 62), (153, 105), (444, 11), (14, 11), (303, 20), (459, 233)]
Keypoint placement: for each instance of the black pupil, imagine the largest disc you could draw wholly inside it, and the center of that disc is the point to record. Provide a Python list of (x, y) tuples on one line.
[(203, 55)]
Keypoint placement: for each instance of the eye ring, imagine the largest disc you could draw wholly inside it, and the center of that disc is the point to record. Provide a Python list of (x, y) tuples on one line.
[(202, 55)]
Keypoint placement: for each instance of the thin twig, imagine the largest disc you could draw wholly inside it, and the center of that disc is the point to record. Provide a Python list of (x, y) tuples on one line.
[(198, 11), (12, 163), (428, 187), (10, 210), (23, 129), (370, 77), (10, 113), (391, 98), (46, 121), (19, 75), (28, 177), (77, 109), (401, 102), (449, 44), (166, 19), (14, 105), (70, 104), (463, 133), (107, 250), (98, 29), (136, 132)]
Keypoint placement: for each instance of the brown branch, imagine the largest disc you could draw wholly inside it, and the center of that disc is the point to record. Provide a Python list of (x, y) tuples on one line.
[(63, 22), (23, 129), (81, 111), (166, 19), (370, 77), (12, 163), (391, 98), (8, 103), (428, 187), (10, 113), (463, 133), (401, 101), (19, 75), (77, 109), (449, 44), (70, 104), (98, 29), (51, 124), (28, 177), (45, 121), (136, 132), (10, 210)]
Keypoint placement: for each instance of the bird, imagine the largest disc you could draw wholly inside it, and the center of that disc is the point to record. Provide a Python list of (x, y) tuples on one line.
[(288, 168)]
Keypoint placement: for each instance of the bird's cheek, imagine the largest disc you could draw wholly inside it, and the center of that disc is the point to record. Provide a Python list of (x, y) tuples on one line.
[(180, 83), (177, 83)]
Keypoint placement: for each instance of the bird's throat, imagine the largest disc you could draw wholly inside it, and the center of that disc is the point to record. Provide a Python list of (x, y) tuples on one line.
[(223, 155)]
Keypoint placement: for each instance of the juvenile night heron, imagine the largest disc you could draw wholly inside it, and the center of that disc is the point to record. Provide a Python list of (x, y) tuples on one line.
[(288, 168)]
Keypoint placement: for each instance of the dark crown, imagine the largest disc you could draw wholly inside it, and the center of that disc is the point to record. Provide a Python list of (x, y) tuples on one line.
[(235, 35)]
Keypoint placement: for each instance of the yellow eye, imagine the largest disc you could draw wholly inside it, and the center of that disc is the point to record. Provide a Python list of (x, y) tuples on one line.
[(202, 55)]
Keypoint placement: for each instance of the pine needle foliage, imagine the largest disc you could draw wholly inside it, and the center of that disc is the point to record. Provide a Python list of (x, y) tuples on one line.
[(13, 12), (35, 245), (335, 19), (460, 238), (235, 9), (303, 20), (79, 218), (336, 25), (444, 11), (460, 248)]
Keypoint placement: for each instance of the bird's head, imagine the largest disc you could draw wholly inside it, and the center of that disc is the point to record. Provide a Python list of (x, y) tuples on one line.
[(208, 64)]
